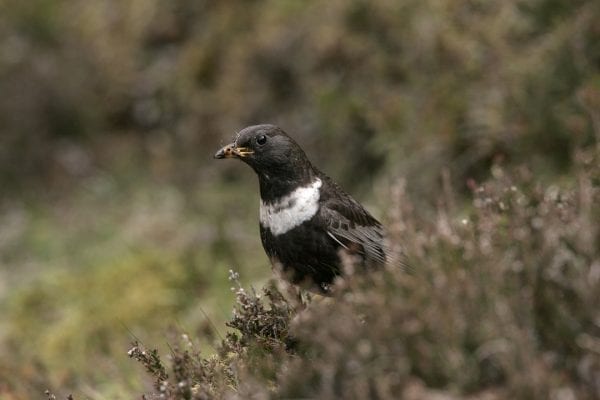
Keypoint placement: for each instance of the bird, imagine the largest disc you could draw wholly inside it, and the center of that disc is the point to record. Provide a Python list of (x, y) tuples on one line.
[(309, 226)]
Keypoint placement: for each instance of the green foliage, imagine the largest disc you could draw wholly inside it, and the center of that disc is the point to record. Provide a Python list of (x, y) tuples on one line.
[(93, 280), (393, 84), (76, 314)]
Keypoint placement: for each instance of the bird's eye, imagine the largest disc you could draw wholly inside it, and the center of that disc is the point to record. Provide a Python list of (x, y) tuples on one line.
[(261, 139)]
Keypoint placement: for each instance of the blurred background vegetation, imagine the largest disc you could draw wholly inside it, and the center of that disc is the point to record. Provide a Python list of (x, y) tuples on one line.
[(115, 222)]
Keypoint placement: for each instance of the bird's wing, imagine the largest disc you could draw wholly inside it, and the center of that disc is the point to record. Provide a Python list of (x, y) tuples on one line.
[(357, 231)]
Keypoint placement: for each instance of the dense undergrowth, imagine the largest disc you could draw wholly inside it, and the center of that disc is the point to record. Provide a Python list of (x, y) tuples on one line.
[(115, 223), (502, 303)]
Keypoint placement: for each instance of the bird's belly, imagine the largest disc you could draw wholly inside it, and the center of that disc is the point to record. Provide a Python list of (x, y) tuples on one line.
[(304, 253)]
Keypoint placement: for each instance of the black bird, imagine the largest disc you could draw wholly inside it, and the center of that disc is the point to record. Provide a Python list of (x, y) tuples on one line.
[(307, 222)]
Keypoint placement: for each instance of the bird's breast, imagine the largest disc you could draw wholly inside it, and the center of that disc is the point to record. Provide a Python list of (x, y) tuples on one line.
[(291, 210)]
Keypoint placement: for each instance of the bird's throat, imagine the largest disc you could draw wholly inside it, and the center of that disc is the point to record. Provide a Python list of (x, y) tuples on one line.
[(276, 185)]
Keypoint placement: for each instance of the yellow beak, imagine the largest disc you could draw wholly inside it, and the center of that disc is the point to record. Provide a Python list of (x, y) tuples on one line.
[(231, 151)]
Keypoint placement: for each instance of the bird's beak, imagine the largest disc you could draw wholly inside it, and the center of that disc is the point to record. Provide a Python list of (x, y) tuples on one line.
[(232, 151)]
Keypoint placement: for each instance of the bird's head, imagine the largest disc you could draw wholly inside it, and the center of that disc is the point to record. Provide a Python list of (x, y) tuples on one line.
[(269, 151)]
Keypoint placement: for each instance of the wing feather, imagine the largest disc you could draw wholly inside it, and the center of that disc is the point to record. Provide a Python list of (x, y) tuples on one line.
[(355, 229)]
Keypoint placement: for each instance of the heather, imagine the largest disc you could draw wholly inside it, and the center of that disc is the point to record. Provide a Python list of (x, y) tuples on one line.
[(471, 129)]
